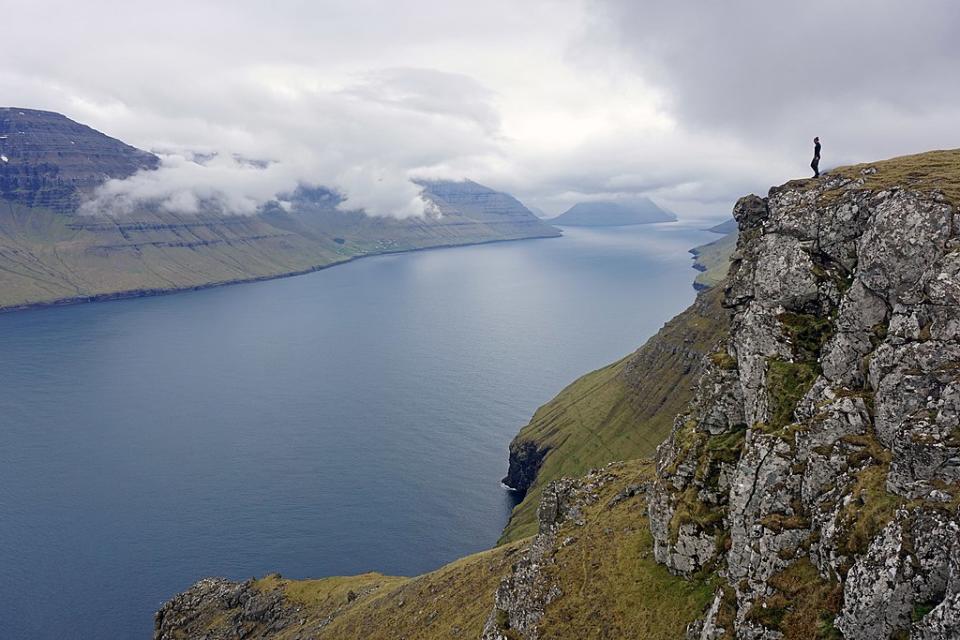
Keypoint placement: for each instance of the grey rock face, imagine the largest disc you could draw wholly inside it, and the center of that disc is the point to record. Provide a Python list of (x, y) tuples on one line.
[(523, 595), (242, 605), (828, 436), (906, 567)]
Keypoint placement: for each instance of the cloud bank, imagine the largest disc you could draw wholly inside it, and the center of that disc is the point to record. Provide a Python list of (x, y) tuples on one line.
[(556, 101)]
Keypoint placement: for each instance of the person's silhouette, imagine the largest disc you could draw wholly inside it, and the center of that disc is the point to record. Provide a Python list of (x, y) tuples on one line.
[(815, 164)]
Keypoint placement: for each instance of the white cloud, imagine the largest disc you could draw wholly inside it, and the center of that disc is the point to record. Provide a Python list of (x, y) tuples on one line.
[(555, 101)]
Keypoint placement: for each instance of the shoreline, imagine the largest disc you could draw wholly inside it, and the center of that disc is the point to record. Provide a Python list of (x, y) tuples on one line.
[(128, 294)]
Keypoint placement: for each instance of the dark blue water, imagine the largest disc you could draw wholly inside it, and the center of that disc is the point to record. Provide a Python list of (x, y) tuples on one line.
[(350, 420)]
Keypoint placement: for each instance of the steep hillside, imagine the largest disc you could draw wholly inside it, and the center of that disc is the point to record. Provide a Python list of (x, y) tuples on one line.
[(49, 254), (622, 411), (612, 214), (50, 161), (712, 260), (589, 572), (810, 488)]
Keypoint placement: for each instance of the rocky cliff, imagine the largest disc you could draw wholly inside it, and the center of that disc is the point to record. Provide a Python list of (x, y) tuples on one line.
[(621, 411), (809, 488), (589, 572), (817, 470)]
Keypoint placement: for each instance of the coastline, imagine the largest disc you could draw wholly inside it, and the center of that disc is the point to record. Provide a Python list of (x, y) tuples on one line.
[(149, 293)]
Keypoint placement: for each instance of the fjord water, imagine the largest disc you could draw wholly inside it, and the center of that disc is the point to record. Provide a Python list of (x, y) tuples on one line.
[(355, 419)]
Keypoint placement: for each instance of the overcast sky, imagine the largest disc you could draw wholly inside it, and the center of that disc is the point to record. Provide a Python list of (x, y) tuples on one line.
[(690, 103)]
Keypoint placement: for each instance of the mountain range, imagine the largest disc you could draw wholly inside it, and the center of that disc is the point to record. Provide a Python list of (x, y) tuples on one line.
[(50, 253)]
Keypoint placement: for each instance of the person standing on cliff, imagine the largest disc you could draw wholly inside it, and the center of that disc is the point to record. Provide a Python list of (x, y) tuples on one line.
[(815, 164)]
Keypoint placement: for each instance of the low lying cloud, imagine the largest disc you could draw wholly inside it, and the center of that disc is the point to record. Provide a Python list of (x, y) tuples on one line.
[(187, 184), (366, 140)]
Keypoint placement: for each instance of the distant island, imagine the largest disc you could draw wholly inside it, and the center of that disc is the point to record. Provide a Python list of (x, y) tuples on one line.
[(613, 214), (725, 227)]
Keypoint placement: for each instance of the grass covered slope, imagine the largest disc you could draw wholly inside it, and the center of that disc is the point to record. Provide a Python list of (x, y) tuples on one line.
[(932, 170), (622, 411), (451, 601), (48, 258), (712, 260), (601, 572), (929, 171)]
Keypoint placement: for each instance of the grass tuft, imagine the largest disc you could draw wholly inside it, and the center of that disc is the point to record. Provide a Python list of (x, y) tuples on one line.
[(787, 383)]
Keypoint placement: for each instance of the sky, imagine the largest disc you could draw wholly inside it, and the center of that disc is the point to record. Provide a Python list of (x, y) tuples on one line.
[(689, 103)]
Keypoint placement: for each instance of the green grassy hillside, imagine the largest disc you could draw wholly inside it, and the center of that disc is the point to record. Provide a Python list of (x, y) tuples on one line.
[(603, 570), (47, 257), (622, 411), (712, 260)]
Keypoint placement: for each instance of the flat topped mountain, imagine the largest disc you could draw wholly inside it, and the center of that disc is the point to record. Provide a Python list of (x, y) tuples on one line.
[(612, 214), (49, 160)]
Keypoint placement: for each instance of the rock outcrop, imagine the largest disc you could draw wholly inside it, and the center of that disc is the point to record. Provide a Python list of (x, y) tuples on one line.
[(817, 469)]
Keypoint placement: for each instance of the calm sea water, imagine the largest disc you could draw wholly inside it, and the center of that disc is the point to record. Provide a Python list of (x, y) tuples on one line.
[(350, 420)]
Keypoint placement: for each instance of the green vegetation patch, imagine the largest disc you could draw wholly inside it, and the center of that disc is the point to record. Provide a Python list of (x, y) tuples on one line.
[(808, 333), (716, 451), (327, 592), (778, 522), (921, 609), (804, 605), (622, 411), (787, 383), (933, 170), (727, 447), (690, 509), (723, 360), (870, 509), (612, 586)]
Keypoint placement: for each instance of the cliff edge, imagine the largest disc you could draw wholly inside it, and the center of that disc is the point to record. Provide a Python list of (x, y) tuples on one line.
[(810, 488), (817, 471)]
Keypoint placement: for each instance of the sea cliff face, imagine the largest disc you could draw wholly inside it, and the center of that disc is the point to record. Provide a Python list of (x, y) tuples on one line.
[(621, 411), (817, 470)]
